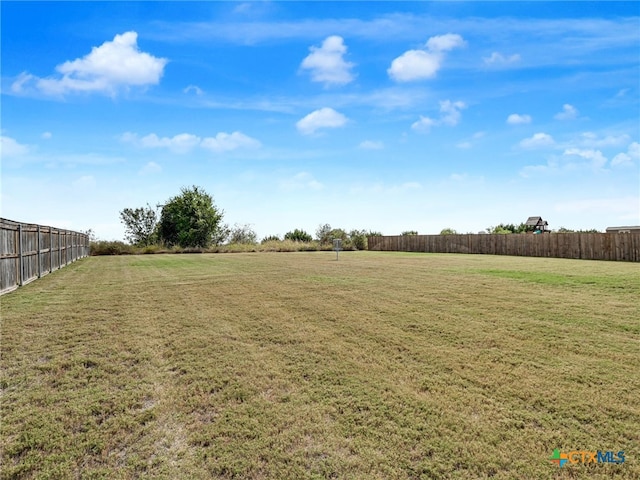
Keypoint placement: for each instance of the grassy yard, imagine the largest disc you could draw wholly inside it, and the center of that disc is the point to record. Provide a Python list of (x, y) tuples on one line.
[(295, 366)]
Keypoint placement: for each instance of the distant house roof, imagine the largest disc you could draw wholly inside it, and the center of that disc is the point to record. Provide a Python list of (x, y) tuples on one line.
[(535, 222), (627, 229)]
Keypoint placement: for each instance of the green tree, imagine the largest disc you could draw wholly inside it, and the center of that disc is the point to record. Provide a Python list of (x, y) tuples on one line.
[(569, 230), (338, 233), (243, 234), (409, 232), (448, 231), (323, 234), (358, 239), (91, 234), (298, 236), (506, 228), (191, 220), (140, 225)]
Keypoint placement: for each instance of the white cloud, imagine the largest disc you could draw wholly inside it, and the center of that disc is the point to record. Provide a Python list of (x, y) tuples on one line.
[(466, 144), (18, 86), (424, 124), (114, 65), (421, 64), (301, 181), (322, 118), (517, 119), (582, 157), (622, 93), (444, 43), (569, 112), (449, 115), (150, 168), (226, 142), (9, 147), (571, 160), (538, 140), (129, 137), (451, 112), (629, 158), (46, 135), (327, 63), (497, 58), (622, 160), (182, 143), (193, 88), (590, 139), (186, 142), (458, 177), (414, 65), (371, 145)]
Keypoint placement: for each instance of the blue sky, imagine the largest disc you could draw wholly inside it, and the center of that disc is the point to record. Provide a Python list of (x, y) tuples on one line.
[(387, 116)]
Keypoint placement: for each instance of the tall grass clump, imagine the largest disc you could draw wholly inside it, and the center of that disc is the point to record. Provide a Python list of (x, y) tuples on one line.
[(112, 247)]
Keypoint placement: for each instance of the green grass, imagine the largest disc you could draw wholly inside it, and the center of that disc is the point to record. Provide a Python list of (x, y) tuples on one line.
[(295, 366)]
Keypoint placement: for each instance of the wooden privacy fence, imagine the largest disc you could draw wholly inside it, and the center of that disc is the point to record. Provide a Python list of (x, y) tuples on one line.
[(28, 252), (588, 246)]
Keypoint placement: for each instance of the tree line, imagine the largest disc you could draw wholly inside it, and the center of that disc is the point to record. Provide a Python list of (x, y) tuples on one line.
[(507, 228), (192, 220)]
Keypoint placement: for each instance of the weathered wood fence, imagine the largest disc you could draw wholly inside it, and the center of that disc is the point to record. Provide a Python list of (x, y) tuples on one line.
[(28, 252), (588, 246)]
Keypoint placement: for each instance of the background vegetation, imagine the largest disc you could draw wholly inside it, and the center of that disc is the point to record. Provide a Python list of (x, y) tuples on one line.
[(191, 222)]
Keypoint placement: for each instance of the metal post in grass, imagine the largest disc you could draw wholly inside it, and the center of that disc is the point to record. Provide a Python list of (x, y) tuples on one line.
[(337, 246)]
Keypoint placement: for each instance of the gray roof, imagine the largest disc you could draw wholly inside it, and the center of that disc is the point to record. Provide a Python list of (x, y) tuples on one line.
[(631, 227), (535, 221)]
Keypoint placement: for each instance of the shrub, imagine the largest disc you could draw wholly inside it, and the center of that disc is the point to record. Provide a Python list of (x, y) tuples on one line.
[(298, 236), (113, 247), (358, 239), (243, 234), (152, 249), (271, 238)]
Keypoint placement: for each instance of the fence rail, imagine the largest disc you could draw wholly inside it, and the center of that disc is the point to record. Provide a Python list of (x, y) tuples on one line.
[(28, 251), (588, 246)]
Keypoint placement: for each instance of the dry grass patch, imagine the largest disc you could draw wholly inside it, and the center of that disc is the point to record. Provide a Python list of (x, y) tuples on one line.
[(381, 365)]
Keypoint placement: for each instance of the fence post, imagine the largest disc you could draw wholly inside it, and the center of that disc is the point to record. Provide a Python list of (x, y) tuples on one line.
[(20, 259), (38, 248), (50, 249)]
